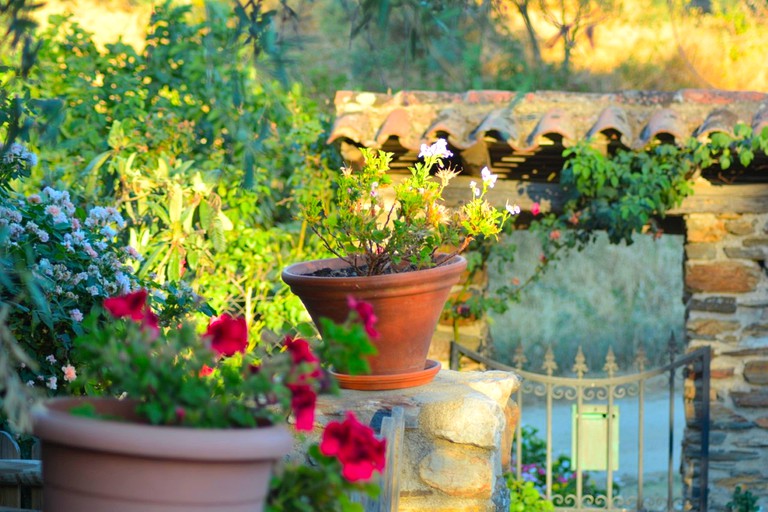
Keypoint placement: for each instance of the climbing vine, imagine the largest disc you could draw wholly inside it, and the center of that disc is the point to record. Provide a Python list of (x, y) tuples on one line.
[(621, 193)]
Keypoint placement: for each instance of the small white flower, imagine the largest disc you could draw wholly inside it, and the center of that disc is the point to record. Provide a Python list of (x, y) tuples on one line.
[(123, 283), (76, 315), (488, 178), (51, 359), (43, 236), (439, 148), (513, 209), (52, 210), (31, 383), (108, 232), (31, 159), (34, 199), (51, 384), (133, 253)]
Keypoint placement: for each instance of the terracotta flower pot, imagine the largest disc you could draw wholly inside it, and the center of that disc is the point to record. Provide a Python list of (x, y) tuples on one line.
[(97, 465), (407, 304)]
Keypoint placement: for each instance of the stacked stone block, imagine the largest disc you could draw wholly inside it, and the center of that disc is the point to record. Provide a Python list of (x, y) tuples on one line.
[(727, 310), (456, 432)]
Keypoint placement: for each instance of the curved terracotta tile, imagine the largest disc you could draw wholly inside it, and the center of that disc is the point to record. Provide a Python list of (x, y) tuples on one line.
[(613, 118), (399, 123), (358, 127), (501, 121), (455, 124), (719, 120), (555, 120), (667, 121)]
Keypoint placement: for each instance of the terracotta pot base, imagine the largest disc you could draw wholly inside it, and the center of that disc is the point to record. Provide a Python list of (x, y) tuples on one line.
[(382, 382), (92, 465)]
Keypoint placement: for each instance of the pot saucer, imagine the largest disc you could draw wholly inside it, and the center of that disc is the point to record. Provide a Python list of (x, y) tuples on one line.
[(383, 382)]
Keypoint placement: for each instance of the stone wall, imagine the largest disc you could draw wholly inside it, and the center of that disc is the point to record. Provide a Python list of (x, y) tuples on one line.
[(727, 295), (456, 434)]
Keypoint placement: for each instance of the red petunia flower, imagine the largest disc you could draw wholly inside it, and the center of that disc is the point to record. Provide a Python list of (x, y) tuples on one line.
[(365, 313), (356, 447), (132, 305), (300, 350), (228, 334), (303, 399)]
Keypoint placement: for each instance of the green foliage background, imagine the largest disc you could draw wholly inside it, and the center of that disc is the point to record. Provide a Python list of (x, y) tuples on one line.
[(208, 137)]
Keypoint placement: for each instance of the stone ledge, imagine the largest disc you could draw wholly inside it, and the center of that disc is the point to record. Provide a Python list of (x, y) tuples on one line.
[(454, 432)]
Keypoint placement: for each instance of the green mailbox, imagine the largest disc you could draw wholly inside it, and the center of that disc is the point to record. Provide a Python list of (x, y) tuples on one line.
[(593, 437)]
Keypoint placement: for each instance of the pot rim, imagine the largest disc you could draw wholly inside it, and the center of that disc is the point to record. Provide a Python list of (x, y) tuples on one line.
[(53, 423), (297, 271)]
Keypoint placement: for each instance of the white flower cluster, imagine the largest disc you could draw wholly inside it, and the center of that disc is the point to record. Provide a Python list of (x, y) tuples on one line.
[(18, 154), (76, 263)]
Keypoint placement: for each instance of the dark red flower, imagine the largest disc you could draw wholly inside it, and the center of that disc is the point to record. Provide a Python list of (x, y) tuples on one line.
[(356, 447), (132, 305), (228, 334), (300, 350), (365, 314), (303, 400)]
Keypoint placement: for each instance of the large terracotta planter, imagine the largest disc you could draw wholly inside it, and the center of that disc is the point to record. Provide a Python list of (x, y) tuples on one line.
[(93, 465), (407, 304)]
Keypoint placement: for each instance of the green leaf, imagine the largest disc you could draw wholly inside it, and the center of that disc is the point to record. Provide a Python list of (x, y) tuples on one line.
[(226, 224), (116, 136), (175, 264), (92, 171), (175, 203)]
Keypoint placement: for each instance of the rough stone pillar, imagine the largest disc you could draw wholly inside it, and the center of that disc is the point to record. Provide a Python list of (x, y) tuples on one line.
[(455, 428), (727, 297)]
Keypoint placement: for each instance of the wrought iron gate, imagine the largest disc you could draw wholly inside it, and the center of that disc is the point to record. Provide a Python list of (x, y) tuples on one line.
[(606, 391)]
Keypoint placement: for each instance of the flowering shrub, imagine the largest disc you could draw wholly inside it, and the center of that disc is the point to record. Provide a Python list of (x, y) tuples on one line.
[(213, 380), (180, 377), (73, 262), (375, 237), (15, 161), (58, 263)]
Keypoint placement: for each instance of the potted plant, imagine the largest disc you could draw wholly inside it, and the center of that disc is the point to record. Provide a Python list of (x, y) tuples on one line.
[(200, 424), (397, 248)]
